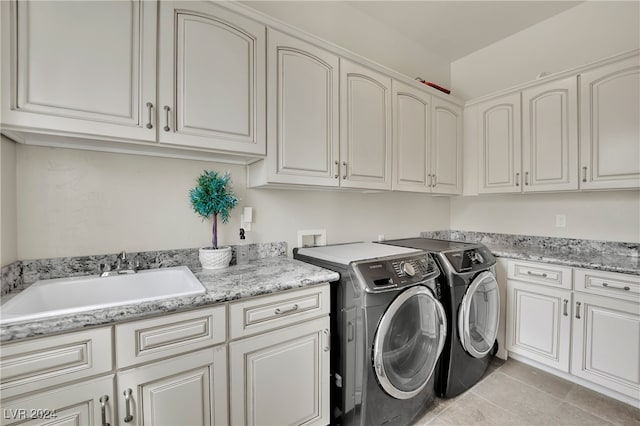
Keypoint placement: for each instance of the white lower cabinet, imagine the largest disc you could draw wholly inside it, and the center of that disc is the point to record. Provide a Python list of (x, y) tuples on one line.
[(185, 390), (588, 327), (606, 343), (281, 377), (88, 403)]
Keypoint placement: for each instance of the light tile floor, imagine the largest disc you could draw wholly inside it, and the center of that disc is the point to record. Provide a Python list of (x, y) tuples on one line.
[(513, 393)]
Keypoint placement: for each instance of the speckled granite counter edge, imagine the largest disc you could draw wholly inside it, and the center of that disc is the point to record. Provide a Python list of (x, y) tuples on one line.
[(609, 256), (258, 277)]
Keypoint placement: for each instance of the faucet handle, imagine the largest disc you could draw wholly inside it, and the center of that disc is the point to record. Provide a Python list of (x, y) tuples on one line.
[(105, 267), (123, 255)]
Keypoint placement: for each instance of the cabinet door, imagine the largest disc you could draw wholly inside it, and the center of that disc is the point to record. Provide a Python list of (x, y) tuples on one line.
[(550, 136), (211, 78), (303, 112), (446, 148), (539, 323), (77, 404), (184, 390), (281, 377), (80, 67), (610, 126), (365, 127), (500, 144), (606, 343), (411, 135)]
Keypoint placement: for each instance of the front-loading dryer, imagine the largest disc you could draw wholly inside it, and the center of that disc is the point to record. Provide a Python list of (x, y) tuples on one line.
[(469, 293), (388, 331)]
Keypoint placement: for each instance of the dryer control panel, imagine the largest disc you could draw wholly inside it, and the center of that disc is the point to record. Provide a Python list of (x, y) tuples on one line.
[(470, 260), (391, 273)]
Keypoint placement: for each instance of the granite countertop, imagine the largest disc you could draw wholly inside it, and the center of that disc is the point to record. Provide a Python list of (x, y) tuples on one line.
[(258, 277), (559, 256)]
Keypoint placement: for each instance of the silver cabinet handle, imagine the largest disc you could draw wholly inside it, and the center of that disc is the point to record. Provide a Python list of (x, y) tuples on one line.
[(578, 310), (607, 285), (518, 179), (150, 107), (435, 180), (564, 308), (344, 176), (279, 311), (429, 180), (127, 404), (526, 178), (166, 128), (337, 169), (327, 345), (584, 173), (535, 274), (103, 409)]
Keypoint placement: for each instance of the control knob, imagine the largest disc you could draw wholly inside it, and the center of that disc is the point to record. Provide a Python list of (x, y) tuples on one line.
[(408, 269)]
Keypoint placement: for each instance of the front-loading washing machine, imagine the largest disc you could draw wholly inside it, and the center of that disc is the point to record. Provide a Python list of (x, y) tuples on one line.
[(469, 293), (387, 331)]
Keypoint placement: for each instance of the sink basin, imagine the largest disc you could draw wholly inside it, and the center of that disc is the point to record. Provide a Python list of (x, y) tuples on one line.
[(46, 298)]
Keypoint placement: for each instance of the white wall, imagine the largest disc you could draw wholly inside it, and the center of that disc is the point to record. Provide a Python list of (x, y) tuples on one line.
[(8, 211), (340, 23), (586, 33), (607, 215), (73, 202)]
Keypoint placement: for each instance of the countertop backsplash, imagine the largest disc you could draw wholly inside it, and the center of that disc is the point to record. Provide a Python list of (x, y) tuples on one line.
[(612, 256), (20, 274)]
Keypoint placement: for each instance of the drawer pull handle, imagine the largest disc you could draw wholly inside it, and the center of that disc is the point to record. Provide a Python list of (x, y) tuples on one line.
[(166, 128), (578, 310), (337, 169), (535, 274), (517, 179), (625, 288), (526, 178), (103, 409), (127, 403), (344, 176), (327, 345), (150, 107), (564, 308), (584, 174), (434, 180), (286, 311)]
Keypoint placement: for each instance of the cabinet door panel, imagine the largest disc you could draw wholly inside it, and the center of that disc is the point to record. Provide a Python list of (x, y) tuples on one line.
[(188, 389), (212, 78), (538, 323), (550, 136), (500, 145), (281, 377), (303, 112), (446, 147), (412, 132), (606, 343), (610, 126), (365, 127), (63, 80)]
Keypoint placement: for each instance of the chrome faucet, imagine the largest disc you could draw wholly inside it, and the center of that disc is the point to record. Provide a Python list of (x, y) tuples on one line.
[(121, 267)]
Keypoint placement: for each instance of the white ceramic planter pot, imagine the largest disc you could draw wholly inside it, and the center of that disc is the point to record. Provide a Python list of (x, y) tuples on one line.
[(215, 259)]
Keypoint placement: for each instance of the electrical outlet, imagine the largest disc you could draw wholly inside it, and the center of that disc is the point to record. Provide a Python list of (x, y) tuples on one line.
[(561, 221)]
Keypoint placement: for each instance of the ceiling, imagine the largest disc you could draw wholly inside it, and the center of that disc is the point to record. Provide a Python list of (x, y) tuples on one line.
[(454, 29), (451, 29)]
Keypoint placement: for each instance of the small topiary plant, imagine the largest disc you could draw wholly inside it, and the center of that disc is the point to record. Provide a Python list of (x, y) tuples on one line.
[(213, 197)]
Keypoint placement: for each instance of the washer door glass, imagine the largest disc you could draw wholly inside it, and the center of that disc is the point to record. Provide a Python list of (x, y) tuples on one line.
[(478, 315), (408, 342)]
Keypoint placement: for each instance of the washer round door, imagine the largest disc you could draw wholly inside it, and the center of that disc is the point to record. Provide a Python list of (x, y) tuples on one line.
[(478, 315), (408, 342)]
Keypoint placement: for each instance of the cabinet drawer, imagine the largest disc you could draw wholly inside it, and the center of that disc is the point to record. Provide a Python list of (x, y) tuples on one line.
[(540, 273), (52, 361), (156, 338), (256, 315), (611, 284)]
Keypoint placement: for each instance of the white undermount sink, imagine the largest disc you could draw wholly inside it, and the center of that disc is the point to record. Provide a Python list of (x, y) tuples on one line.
[(46, 298)]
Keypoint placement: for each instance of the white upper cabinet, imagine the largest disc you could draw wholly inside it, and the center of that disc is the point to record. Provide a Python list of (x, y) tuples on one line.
[(446, 148), (610, 126), (211, 77), (411, 138), (82, 67), (302, 112), (427, 142), (365, 127), (550, 136), (500, 145)]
